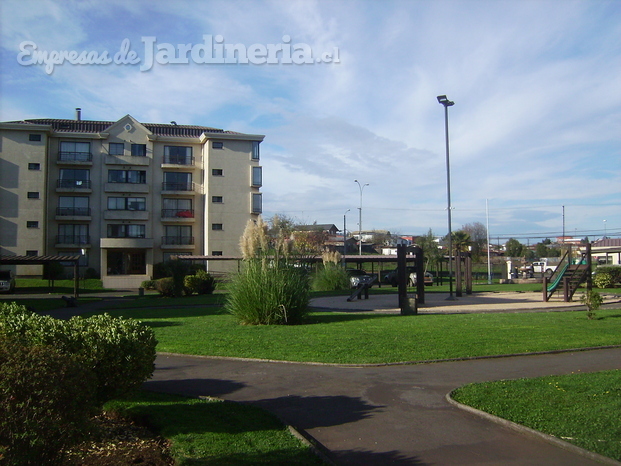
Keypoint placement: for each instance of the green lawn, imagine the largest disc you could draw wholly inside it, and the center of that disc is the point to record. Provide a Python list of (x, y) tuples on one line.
[(212, 432), (582, 409), (346, 338)]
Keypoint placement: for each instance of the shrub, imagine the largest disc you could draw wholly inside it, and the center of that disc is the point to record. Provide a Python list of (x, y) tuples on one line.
[(119, 352), (330, 277), (603, 280), (91, 273), (149, 284), (592, 300), (46, 402), (268, 293), (166, 287), (606, 276), (201, 283)]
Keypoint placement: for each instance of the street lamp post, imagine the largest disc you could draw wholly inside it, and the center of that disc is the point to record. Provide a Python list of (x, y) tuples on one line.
[(345, 237), (605, 230), (361, 186), (442, 99)]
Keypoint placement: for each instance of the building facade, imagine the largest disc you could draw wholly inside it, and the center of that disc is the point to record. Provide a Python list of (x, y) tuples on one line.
[(125, 195)]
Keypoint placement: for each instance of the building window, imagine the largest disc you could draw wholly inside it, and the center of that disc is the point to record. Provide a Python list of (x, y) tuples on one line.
[(178, 155), (33, 194), (116, 148), (257, 176), (127, 176), (74, 178), (257, 203), (217, 172), (73, 234), (255, 150), (217, 145), (126, 262), (75, 152), (34, 166), (177, 181), (216, 253), (32, 253), (126, 231), (127, 203), (68, 205), (217, 199), (34, 137), (177, 208), (139, 150), (32, 224), (217, 226), (177, 234)]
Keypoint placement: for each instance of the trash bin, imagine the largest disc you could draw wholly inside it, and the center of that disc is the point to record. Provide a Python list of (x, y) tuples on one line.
[(140, 291)]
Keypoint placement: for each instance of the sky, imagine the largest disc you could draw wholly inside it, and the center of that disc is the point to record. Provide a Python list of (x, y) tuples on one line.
[(534, 135)]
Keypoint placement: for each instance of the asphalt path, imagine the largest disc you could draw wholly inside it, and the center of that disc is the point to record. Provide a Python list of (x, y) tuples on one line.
[(377, 415)]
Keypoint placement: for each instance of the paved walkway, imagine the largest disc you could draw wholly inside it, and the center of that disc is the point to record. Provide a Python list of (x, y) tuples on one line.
[(397, 414)]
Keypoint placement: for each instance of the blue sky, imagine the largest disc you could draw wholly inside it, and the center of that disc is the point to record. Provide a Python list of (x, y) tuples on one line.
[(536, 84)]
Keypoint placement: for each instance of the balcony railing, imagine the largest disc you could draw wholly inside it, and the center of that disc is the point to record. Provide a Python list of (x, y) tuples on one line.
[(73, 239), (177, 213), (73, 211), (74, 184), (75, 156), (177, 240), (176, 186), (179, 160)]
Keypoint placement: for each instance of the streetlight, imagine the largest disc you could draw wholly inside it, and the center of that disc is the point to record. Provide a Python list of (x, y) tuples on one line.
[(605, 231), (344, 237), (360, 215), (442, 99)]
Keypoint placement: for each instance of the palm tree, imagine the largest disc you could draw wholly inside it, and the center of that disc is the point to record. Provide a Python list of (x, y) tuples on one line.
[(461, 241)]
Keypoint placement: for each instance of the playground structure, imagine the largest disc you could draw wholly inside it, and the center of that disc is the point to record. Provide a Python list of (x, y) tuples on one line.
[(569, 275)]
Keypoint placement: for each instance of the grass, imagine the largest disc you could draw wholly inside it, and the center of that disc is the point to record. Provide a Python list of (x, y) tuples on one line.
[(213, 432), (346, 338), (582, 409), (37, 286)]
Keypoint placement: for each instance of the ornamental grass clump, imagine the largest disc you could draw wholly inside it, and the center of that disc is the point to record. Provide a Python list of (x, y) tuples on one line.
[(330, 277), (269, 292)]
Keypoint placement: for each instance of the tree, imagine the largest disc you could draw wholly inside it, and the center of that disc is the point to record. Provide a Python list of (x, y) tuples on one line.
[(478, 238), (461, 240), (430, 248), (514, 248)]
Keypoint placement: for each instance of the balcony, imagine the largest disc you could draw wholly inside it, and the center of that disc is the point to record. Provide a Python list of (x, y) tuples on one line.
[(126, 215), (176, 161), (127, 160), (130, 188), (178, 187), (75, 158), (178, 215), (178, 242), (126, 243), (72, 186), (73, 213), (65, 241)]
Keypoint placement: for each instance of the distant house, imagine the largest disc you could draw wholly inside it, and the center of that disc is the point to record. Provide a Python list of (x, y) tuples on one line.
[(606, 251), (329, 228)]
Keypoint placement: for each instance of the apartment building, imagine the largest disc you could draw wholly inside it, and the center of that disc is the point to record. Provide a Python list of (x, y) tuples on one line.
[(125, 195)]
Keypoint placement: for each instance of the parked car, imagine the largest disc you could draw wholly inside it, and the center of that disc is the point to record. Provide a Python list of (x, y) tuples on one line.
[(356, 275), (7, 281), (392, 277)]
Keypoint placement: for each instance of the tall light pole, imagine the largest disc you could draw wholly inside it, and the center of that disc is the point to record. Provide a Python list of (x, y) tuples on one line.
[(442, 99), (345, 237), (605, 230), (361, 186)]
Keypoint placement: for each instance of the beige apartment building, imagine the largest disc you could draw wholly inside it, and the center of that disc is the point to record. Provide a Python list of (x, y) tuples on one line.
[(125, 195)]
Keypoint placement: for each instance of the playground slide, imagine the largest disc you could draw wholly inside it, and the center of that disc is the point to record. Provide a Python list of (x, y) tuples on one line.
[(553, 285)]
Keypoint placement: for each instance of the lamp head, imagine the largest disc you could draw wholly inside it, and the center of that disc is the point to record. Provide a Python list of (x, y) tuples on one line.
[(444, 101)]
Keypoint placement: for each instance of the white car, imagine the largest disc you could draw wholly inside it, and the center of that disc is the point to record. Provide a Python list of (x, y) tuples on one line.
[(7, 281)]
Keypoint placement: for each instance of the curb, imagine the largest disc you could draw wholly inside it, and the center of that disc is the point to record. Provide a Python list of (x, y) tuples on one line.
[(401, 363), (532, 432)]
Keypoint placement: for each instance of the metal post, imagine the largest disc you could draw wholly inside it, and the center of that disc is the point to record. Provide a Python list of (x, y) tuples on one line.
[(361, 187), (447, 103)]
